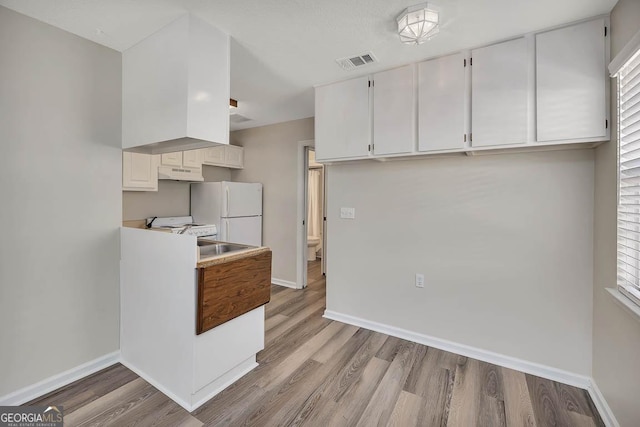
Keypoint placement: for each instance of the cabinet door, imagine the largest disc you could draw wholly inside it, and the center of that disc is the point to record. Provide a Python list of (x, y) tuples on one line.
[(394, 123), (441, 103), (571, 82), (342, 126), (171, 159), (192, 159), (234, 156), (214, 156), (139, 172), (500, 93)]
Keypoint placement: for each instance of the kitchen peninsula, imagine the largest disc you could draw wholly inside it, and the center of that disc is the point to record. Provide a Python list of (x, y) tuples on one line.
[(191, 324)]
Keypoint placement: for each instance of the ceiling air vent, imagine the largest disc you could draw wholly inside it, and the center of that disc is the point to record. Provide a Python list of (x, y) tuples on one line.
[(356, 61), (237, 118)]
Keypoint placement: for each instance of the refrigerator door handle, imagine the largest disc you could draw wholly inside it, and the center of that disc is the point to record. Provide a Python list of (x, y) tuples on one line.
[(226, 223), (227, 204)]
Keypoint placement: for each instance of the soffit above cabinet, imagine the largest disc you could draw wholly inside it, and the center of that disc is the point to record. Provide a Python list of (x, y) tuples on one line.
[(175, 89)]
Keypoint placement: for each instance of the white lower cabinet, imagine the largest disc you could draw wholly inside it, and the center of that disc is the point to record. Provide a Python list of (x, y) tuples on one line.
[(441, 103), (226, 156), (139, 172)]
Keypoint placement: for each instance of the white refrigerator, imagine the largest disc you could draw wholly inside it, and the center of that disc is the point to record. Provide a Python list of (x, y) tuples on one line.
[(234, 207)]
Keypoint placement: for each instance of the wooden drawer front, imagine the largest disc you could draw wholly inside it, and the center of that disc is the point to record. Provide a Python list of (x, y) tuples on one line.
[(228, 290)]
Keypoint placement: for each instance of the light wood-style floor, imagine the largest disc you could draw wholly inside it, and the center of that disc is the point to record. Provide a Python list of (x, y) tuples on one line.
[(318, 372)]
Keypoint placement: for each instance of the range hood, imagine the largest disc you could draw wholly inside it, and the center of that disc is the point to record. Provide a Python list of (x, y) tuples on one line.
[(176, 173), (175, 89)]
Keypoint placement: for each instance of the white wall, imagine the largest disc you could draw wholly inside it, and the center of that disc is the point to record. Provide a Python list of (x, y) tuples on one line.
[(505, 244), (271, 157), (60, 186), (616, 335), (171, 199)]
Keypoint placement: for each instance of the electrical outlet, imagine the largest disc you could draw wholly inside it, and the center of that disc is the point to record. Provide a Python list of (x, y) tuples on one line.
[(348, 213), (419, 280)]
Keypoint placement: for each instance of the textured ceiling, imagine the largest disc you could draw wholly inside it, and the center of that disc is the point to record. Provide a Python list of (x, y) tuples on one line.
[(282, 48)]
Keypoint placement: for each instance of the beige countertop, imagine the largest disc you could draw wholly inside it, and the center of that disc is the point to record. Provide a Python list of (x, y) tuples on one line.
[(233, 256)]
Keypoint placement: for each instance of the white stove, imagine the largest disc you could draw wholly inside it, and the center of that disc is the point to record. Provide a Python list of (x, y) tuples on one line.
[(183, 225)]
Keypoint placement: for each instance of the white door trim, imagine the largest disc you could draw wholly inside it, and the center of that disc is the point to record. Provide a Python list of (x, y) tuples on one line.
[(301, 233)]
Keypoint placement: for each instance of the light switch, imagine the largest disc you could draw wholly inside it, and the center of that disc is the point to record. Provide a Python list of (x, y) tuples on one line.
[(348, 213)]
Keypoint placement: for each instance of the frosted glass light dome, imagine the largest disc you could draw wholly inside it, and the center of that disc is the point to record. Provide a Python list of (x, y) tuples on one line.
[(418, 24)]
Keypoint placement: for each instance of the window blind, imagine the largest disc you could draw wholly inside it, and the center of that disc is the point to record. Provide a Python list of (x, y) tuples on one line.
[(629, 178)]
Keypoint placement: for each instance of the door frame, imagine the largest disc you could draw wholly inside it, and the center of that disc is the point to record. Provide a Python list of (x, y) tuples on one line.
[(301, 233)]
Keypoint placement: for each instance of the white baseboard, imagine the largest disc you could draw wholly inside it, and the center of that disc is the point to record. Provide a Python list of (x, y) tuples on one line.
[(62, 379), (208, 392), (528, 367), (150, 380), (601, 404), (285, 283)]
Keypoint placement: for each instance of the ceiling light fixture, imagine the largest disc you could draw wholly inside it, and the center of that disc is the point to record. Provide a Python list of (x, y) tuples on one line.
[(418, 24)]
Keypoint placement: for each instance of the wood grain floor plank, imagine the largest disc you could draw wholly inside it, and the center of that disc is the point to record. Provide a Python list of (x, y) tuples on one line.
[(280, 347), (292, 322), (405, 413), (518, 406), (432, 381), (581, 420), (315, 409), (381, 405), (304, 352), (112, 405), (349, 408), (86, 390), (283, 402), (274, 321), (464, 408), (577, 400), (325, 353), (317, 372), (158, 411), (546, 403)]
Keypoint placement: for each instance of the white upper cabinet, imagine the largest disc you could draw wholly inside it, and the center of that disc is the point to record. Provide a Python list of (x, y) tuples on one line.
[(175, 88), (394, 122), (192, 158), (500, 93), (342, 126), (571, 95), (441, 103), (139, 172), (213, 156), (226, 156), (234, 156), (171, 159)]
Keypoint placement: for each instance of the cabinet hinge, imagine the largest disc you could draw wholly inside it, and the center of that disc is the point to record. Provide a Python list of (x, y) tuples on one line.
[(606, 124), (465, 138), (605, 31), (465, 62)]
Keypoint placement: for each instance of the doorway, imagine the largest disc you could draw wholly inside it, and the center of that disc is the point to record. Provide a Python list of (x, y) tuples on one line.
[(312, 217)]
